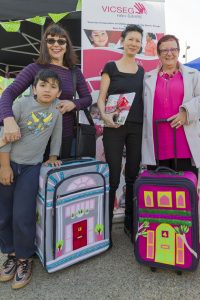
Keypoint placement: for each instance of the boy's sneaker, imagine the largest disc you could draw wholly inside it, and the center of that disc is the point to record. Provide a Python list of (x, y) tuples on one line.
[(23, 273), (8, 268)]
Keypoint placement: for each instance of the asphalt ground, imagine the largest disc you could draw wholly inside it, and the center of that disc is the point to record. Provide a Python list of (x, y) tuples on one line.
[(114, 274)]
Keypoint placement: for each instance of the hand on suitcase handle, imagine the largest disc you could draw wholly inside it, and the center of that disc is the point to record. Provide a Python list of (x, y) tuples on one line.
[(179, 119)]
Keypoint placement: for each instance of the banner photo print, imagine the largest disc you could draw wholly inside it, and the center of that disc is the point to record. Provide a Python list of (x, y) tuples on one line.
[(102, 24)]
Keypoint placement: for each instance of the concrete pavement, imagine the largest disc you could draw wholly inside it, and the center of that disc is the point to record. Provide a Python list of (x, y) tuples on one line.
[(112, 275)]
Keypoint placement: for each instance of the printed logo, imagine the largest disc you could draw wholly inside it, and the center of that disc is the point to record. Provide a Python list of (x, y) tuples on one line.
[(39, 121), (137, 8), (140, 8)]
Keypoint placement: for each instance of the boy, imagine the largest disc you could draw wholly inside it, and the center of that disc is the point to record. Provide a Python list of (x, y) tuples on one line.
[(20, 162)]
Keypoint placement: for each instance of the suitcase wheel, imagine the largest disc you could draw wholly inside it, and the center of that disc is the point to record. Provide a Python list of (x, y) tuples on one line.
[(179, 273), (153, 269)]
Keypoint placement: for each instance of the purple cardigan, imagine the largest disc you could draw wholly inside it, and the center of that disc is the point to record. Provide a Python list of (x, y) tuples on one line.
[(26, 77)]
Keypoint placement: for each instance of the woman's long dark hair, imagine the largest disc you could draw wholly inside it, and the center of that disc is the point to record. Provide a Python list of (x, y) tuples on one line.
[(70, 58)]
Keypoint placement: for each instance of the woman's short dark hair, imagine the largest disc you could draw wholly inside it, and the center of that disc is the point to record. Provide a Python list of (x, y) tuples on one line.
[(45, 74), (166, 38), (70, 57), (130, 28)]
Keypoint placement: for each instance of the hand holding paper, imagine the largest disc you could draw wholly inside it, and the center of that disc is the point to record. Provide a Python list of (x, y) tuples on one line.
[(120, 103)]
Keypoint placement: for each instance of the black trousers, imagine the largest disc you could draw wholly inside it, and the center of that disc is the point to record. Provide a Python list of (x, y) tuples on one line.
[(114, 140), (183, 164)]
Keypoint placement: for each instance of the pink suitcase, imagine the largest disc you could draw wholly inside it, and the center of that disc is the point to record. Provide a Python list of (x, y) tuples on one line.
[(166, 231)]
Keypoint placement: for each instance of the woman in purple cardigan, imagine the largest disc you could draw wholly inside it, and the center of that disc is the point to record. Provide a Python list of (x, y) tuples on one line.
[(57, 54)]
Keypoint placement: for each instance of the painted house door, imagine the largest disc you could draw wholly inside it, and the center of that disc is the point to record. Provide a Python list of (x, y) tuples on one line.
[(79, 234), (165, 244)]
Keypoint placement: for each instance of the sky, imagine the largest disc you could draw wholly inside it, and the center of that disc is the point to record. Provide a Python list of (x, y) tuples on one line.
[(182, 18)]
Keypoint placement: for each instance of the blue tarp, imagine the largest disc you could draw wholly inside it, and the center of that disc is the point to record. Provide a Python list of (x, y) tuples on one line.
[(194, 64)]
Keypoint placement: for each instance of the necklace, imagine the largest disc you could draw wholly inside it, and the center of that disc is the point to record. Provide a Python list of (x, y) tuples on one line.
[(166, 75)]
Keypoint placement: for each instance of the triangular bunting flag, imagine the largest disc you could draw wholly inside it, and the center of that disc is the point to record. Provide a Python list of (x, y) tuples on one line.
[(57, 17), (11, 26), (79, 5), (37, 20)]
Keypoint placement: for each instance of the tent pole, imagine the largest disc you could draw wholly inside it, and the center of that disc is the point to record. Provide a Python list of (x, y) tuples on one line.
[(7, 75)]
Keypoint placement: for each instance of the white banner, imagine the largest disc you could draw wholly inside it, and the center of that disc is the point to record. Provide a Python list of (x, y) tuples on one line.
[(102, 24)]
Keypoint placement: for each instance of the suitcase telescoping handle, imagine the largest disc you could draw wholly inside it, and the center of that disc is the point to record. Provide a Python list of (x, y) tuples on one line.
[(158, 121)]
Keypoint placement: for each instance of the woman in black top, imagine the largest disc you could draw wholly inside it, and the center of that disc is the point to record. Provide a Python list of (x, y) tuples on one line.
[(120, 77)]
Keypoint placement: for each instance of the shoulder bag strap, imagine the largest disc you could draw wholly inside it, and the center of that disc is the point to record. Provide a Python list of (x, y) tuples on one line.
[(86, 111)]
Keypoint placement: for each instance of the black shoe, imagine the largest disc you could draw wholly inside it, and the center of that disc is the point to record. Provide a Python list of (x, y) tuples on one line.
[(127, 231), (128, 224)]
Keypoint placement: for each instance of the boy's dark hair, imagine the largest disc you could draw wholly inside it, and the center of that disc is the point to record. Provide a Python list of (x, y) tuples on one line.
[(166, 38), (46, 74), (130, 28)]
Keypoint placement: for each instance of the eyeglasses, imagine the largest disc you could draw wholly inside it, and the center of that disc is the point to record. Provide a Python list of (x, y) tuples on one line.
[(166, 51), (60, 42)]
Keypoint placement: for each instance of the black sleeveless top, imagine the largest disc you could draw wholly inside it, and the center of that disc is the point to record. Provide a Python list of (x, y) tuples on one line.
[(121, 83)]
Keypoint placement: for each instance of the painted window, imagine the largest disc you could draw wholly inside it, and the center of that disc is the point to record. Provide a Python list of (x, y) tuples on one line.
[(81, 182), (164, 199), (80, 208), (68, 238), (180, 200), (150, 244), (179, 250), (91, 230), (148, 199)]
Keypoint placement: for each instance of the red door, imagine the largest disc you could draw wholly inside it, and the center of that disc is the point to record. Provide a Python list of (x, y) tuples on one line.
[(79, 234)]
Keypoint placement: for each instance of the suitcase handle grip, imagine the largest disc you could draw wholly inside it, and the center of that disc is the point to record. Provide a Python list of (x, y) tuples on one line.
[(73, 160), (164, 170), (161, 121)]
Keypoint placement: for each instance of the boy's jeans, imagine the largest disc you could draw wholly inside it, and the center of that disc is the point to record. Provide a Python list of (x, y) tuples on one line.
[(18, 211)]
